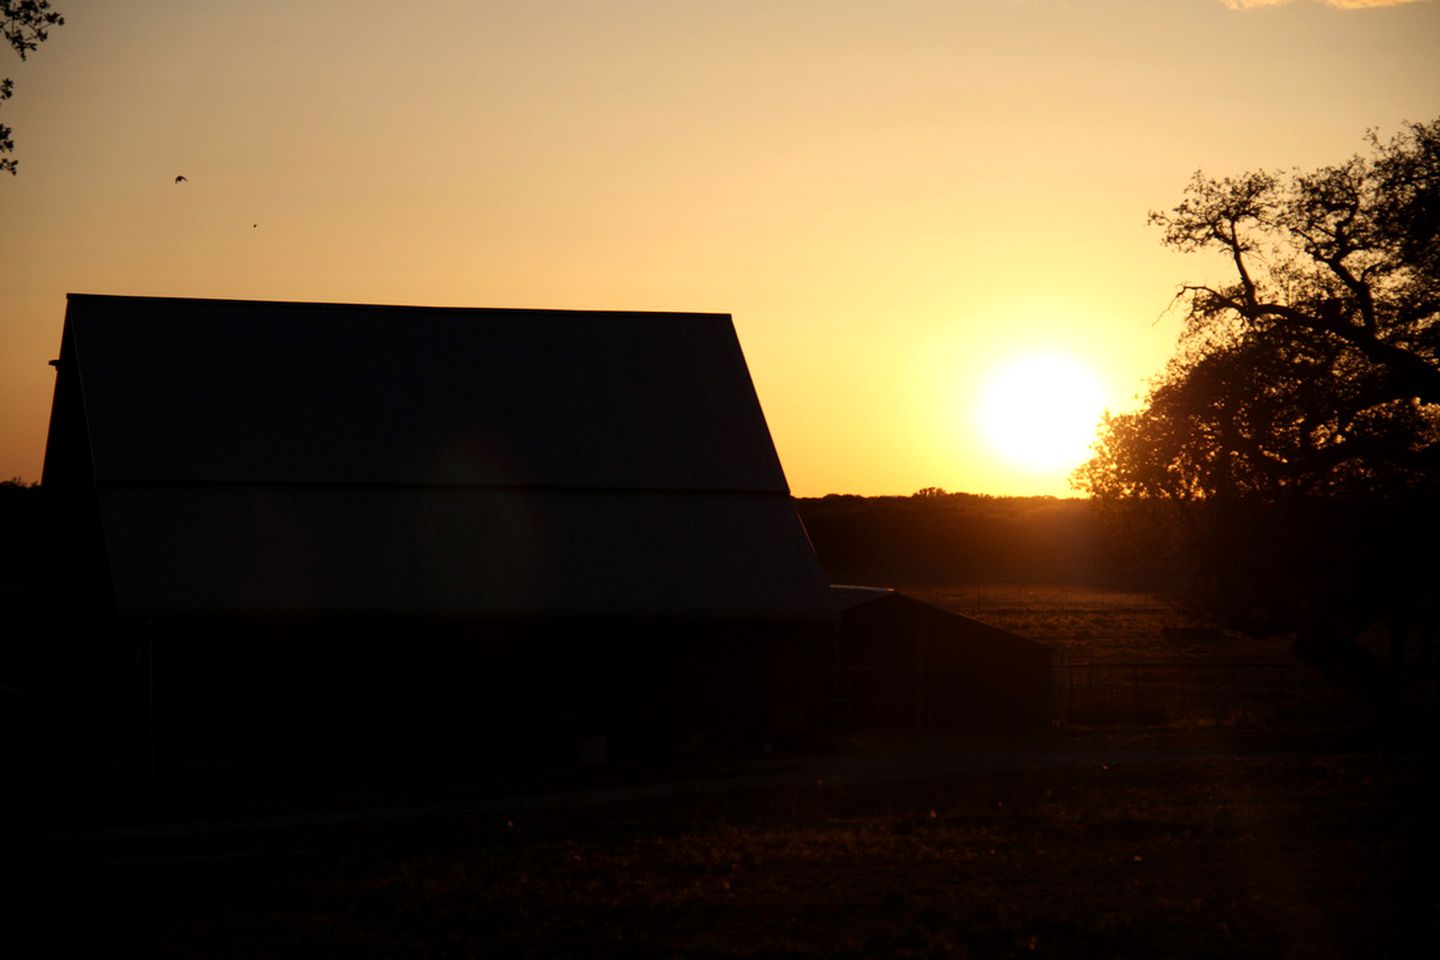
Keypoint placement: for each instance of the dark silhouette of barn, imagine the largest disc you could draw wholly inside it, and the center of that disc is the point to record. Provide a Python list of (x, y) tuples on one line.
[(294, 534)]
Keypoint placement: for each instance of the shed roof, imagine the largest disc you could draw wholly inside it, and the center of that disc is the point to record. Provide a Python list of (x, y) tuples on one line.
[(253, 456)]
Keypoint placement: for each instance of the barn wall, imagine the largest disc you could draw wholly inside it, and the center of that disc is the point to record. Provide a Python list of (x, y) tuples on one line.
[(399, 694)]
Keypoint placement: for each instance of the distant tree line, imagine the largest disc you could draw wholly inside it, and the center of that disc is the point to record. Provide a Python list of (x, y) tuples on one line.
[(962, 537)]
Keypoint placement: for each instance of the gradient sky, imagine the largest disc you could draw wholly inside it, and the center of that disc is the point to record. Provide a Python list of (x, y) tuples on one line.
[(892, 199)]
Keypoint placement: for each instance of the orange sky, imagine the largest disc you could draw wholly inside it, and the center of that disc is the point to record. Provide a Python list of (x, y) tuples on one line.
[(892, 200)]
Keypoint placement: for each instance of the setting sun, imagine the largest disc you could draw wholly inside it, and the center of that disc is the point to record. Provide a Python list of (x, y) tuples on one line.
[(1039, 411)]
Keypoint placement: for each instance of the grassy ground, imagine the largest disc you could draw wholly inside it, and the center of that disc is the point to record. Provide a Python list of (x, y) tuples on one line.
[(1156, 845), (1178, 839), (1089, 623)]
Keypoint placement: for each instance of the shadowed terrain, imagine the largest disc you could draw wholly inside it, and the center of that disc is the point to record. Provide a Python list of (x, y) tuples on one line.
[(1105, 845)]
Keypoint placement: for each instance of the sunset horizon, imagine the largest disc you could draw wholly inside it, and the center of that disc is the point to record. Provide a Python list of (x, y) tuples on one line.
[(895, 206)]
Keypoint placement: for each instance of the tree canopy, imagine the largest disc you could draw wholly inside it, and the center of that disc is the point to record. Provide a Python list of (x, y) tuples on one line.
[(25, 25), (1315, 369)]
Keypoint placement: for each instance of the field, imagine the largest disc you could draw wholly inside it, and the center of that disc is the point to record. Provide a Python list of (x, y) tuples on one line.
[(1094, 623), (1120, 840)]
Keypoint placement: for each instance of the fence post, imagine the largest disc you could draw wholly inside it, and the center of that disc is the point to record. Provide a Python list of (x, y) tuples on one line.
[(1218, 693), (1067, 691), (1299, 695)]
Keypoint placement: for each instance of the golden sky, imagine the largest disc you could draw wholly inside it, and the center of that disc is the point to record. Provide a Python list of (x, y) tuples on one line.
[(894, 200)]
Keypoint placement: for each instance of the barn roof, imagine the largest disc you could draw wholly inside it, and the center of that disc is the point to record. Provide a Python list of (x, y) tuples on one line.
[(254, 456)]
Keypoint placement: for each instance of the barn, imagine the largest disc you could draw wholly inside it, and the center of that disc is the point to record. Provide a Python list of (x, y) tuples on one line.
[(306, 535)]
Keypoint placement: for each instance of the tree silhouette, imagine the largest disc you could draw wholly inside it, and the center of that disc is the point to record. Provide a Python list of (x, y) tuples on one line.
[(1317, 369), (1299, 419), (25, 24)]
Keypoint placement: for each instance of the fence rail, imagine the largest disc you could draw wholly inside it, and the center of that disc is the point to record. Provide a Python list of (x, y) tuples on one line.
[(1198, 693)]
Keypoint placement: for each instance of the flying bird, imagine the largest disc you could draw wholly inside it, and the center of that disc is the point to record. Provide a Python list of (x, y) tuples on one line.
[(182, 179)]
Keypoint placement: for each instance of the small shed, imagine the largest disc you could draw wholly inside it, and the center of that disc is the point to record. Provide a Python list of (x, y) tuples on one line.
[(334, 532), (903, 665)]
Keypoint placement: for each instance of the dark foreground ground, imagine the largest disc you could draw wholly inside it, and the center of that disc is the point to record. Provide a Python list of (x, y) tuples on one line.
[(1099, 844)]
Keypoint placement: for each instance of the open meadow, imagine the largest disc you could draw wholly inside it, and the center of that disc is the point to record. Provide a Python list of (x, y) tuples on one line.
[(1086, 622)]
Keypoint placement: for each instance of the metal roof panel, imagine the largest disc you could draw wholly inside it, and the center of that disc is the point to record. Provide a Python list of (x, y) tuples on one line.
[(234, 391)]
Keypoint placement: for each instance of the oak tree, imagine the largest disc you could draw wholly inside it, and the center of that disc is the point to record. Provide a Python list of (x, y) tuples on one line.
[(1315, 368)]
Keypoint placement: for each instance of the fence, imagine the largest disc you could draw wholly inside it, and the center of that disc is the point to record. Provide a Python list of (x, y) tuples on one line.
[(1220, 693)]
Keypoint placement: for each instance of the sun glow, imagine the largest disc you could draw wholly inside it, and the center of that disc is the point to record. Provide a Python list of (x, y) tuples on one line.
[(1039, 411)]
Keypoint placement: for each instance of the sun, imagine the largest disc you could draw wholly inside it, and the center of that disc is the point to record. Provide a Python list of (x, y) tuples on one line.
[(1039, 411)]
